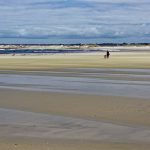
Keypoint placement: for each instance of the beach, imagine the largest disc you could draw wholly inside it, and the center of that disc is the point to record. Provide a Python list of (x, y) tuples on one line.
[(83, 60), (75, 101)]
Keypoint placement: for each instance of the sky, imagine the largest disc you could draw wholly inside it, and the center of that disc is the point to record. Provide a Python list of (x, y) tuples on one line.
[(74, 21)]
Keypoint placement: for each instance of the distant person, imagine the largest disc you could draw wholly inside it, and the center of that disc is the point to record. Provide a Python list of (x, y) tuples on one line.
[(107, 54)]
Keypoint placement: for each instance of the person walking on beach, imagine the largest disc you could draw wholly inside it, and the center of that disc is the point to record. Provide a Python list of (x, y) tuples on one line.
[(107, 54)]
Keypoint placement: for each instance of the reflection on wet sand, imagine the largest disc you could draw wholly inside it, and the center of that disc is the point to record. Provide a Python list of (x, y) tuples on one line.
[(88, 84)]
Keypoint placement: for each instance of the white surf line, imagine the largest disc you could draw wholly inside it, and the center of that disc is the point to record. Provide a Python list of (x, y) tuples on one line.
[(98, 86), (27, 124)]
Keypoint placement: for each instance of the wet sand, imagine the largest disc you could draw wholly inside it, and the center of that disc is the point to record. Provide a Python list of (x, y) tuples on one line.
[(71, 121), (82, 107), (78, 131), (40, 144), (107, 108), (27, 124), (138, 89)]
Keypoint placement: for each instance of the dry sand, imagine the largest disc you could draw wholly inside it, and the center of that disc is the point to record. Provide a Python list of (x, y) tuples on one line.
[(94, 60)]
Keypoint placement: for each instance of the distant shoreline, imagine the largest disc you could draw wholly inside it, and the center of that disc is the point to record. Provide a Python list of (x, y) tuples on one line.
[(56, 49), (76, 46)]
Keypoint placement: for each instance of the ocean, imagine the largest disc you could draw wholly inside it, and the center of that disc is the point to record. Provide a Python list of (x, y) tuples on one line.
[(26, 51)]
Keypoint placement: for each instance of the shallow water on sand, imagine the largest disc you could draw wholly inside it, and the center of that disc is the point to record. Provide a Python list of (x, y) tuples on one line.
[(86, 84), (116, 70)]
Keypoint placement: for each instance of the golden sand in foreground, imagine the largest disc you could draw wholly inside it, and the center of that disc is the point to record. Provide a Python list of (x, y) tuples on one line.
[(39, 144), (46, 62), (115, 109)]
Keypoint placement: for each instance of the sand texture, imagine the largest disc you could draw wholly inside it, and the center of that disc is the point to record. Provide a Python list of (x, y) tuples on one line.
[(75, 101), (94, 60)]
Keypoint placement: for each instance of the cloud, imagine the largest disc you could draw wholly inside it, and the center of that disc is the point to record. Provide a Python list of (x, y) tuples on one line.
[(75, 20)]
